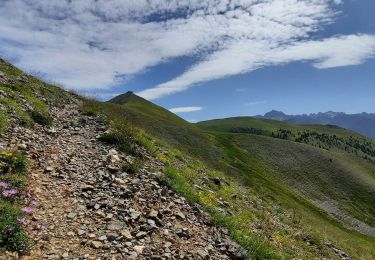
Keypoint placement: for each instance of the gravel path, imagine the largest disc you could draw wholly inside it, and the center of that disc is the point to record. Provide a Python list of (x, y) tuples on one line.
[(89, 209)]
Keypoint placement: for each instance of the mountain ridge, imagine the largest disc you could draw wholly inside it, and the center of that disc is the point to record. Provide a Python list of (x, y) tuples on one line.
[(363, 123)]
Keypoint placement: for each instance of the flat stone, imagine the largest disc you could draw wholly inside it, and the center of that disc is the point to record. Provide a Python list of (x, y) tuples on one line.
[(96, 244), (116, 225), (81, 232), (102, 238), (49, 169), (180, 215), (126, 234), (139, 249), (141, 234)]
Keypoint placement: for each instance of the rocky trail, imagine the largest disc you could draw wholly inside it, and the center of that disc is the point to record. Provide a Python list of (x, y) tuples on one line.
[(87, 208)]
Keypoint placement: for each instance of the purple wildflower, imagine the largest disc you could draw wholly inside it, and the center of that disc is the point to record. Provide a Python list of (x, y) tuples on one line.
[(34, 203), (21, 220), (28, 210), (44, 226), (4, 184), (9, 193), (31, 232)]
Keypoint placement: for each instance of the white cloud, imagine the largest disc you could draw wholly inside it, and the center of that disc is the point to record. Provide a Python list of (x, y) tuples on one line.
[(185, 109), (249, 55), (255, 103), (86, 44)]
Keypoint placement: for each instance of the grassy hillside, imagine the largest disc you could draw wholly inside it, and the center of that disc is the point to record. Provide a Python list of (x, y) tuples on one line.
[(262, 181), (165, 125), (316, 173), (25, 99), (328, 137), (225, 125), (331, 169)]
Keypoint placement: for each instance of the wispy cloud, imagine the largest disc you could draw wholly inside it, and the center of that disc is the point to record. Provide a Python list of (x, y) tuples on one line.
[(87, 44), (255, 103), (246, 56), (185, 109)]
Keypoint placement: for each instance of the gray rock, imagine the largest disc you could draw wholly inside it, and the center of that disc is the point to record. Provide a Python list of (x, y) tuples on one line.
[(180, 215), (126, 234), (141, 234), (72, 215), (116, 226), (96, 244), (102, 238)]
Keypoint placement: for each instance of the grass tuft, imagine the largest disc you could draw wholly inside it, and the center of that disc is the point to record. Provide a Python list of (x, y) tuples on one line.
[(41, 118), (134, 167)]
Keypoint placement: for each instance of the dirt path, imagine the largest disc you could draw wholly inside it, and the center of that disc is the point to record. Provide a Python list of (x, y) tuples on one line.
[(89, 209)]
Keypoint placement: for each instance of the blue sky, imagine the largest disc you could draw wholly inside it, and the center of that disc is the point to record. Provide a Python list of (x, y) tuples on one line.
[(202, 59)]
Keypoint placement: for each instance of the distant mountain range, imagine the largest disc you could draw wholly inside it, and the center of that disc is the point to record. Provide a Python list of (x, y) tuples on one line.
[(363, 123)]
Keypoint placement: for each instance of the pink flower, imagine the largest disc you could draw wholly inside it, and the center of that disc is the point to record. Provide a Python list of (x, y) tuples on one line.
[(28, 210), (4, 184), (34, 203), (31, 232), (21, 220), (9, 193)]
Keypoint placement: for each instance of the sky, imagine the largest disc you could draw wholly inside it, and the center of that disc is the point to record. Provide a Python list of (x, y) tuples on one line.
[(201, 59)]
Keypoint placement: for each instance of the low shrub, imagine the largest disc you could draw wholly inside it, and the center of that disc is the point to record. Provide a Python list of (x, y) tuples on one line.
[(124, 143), (109, 138), (134, 167), (41, 118), (89, 112)]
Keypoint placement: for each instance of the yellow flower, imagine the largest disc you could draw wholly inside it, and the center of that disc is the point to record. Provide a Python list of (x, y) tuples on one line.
[(6, 154)]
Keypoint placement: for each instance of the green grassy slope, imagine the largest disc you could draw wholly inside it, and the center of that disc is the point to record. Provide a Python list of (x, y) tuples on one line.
[(224, 125), (293, 175), (334, 173), (326, 137), (25, 99), (165, 125), (316, 173)]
